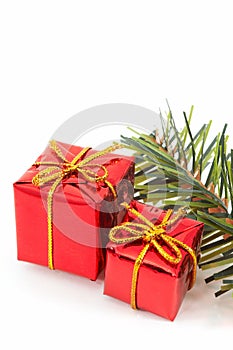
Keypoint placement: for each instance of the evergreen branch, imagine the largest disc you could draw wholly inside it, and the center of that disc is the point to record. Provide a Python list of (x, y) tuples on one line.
[(163, 177)]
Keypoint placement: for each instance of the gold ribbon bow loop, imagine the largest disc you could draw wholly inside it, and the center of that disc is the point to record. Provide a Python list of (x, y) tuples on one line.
[(152, 236), (55, 172), (47, 175)]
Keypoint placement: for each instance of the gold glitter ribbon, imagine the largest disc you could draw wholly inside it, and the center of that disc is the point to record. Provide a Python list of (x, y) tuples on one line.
[(152, 235), (55, 172)]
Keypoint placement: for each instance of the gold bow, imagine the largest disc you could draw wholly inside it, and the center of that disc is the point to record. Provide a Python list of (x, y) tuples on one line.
[(151, 235), (55, 172)]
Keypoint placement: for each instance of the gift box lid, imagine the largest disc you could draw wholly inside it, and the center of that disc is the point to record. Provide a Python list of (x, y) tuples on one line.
[(187, 230), (117, 166)]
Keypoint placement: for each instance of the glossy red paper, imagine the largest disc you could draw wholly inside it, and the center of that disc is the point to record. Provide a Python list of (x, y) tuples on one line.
[(83, 213), (161, 286)]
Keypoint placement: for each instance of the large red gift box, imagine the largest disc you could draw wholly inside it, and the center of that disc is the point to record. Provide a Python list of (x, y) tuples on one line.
[(161, 285), (83, 210)]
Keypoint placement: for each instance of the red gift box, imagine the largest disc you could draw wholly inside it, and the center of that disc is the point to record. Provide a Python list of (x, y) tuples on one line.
[(82, 203), (161, 285)]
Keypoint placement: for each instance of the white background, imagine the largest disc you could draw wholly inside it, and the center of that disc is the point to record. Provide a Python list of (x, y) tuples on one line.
[(58, 58)]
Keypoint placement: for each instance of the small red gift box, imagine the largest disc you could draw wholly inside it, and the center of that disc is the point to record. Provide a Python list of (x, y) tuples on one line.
[(139, 272), (65, 205)]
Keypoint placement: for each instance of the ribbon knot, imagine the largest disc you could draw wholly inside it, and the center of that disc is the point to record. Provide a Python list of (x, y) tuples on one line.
[(69, 168), (152, 235), (56, 172)]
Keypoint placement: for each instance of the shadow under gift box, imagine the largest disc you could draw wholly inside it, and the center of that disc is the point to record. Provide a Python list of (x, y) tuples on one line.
[(83, 213), (161, 285)]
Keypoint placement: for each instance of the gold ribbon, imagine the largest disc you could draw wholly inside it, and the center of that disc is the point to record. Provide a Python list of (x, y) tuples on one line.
[(152, 235), (55, 172)]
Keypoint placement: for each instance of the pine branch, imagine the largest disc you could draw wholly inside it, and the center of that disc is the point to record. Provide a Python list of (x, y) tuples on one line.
[(184, 168)]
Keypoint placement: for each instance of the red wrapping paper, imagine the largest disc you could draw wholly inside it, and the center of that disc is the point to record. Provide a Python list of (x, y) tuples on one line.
[(83, 213), (161, 285)]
